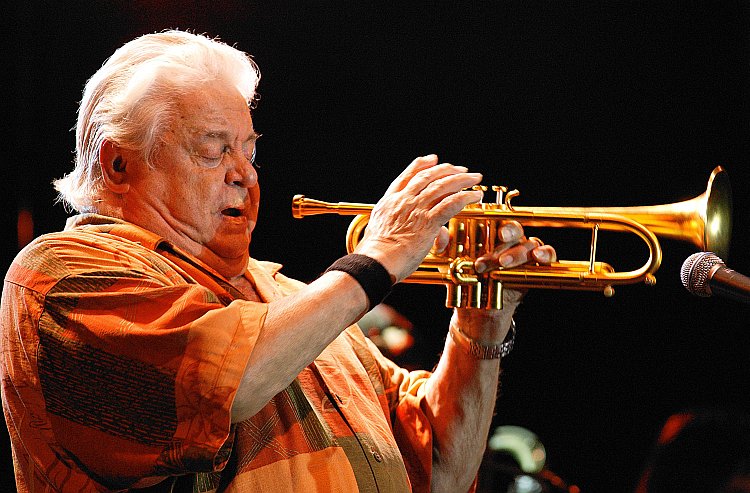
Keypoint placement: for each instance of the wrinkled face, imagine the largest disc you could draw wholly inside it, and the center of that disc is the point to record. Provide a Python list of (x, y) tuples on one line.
[(202, 192)]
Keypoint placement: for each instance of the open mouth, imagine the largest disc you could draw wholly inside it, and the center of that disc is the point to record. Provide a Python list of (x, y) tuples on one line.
[(232, 212)]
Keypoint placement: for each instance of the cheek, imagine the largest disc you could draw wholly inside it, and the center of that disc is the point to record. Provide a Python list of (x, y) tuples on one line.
[(195, 190), (194, 200), (255, 198)]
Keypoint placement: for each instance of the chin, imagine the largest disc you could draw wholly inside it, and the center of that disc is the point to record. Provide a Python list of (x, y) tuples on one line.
[(233, 267), (239, 261), (229, 262)]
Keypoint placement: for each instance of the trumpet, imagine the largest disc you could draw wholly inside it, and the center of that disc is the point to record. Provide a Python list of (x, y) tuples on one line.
[(705, 221)]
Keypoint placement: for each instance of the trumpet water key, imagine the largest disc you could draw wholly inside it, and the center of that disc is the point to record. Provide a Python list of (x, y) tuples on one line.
[(705, 221)]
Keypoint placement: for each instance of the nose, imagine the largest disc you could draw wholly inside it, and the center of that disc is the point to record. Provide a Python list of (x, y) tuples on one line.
[(241, 172)]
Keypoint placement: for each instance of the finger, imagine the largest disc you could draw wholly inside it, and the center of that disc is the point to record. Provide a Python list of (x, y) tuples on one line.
[(510, 233), (452, 204), (441, 241), (514, 256), (538, 241), (420, 163), (440, 180), (443, 191), (544, 254)]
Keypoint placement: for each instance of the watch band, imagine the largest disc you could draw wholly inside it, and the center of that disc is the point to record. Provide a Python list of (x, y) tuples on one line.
[(484, 351)]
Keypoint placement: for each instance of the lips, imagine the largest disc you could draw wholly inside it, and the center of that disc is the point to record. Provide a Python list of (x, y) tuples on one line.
[(233, 208)]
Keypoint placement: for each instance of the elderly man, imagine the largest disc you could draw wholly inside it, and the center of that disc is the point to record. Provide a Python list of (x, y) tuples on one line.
[(143, 348)]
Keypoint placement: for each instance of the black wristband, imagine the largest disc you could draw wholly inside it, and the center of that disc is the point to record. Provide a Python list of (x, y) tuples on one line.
[(369, 273)]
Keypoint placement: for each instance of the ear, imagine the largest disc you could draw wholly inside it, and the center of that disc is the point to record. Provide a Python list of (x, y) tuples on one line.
[(114, 167)]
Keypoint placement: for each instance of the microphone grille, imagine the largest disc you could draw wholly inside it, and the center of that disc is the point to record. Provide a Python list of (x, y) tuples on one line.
[(695, 270)]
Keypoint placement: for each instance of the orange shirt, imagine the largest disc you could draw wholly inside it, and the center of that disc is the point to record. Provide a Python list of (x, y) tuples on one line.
[(120, 357)]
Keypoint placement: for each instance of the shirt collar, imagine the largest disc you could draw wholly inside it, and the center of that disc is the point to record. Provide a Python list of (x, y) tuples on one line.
[(259, 272), (119, 227)]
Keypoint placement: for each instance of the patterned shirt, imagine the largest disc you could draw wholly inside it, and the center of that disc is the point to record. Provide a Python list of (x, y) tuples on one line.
[(120, 356)]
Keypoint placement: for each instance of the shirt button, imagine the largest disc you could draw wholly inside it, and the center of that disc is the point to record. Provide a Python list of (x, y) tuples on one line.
[(377, 456)]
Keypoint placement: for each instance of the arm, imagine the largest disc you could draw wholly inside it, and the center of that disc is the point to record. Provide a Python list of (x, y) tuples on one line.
[(460, 395), (401, 230), (460, 398), (403, 226)]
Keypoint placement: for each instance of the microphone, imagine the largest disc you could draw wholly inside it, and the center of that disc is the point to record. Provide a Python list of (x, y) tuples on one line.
[(705, 274)]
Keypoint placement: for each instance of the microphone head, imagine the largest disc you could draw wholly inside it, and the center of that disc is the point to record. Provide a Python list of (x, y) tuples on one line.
[(695, 271)]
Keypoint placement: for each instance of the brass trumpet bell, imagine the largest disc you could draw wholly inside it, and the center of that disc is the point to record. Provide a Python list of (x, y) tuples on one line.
[(705, 221)]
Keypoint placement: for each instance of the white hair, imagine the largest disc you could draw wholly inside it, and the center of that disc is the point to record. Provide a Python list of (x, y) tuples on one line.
[(131, 99)]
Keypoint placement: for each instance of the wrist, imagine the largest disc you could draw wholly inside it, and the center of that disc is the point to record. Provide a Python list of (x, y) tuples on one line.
[(390, 254), (485, 326), (480, 349), (372, 276)]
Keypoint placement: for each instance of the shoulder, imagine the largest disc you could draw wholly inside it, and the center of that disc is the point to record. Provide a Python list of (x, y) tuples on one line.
[(53, 257)]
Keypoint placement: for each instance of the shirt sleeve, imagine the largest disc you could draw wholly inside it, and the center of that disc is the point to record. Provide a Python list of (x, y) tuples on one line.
[(130, 372)]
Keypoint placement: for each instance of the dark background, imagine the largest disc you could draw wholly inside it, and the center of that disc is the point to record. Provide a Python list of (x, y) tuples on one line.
[(573, 103)]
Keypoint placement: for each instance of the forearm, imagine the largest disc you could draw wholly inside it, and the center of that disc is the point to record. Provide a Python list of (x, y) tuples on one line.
[(402, 228), (460, 401), (296, 330)]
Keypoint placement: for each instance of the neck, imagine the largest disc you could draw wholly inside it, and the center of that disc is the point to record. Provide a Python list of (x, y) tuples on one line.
[(245, 287), (108, 205), (229, 268)]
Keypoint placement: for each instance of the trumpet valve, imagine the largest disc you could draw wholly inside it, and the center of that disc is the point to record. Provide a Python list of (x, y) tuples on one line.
[(499, 191), (480, 188)]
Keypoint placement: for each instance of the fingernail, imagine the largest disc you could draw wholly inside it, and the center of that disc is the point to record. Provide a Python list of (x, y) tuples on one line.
[(542, 256), (508, 233), (480, 266), (506, 260)]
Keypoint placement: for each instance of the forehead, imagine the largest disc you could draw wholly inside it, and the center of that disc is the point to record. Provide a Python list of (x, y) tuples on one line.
[(211, 108)]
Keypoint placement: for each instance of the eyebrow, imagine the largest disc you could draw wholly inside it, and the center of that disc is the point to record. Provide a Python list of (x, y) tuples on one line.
[(224, 135)]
